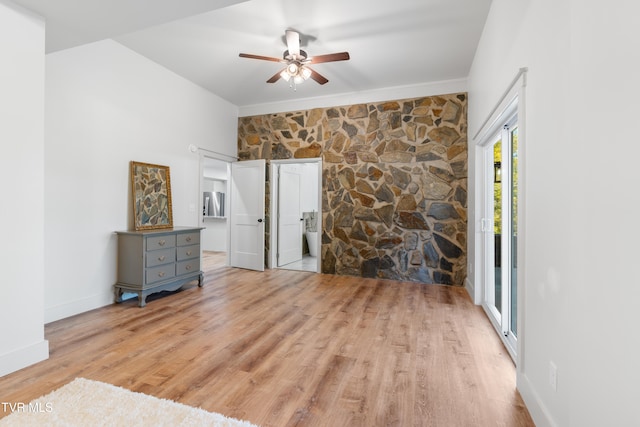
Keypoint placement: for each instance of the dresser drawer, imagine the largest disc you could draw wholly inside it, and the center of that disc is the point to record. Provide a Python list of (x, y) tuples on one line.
[(160, 257), (185, 239), (163, 272), (188, 266), (186, 252), (160, 242)]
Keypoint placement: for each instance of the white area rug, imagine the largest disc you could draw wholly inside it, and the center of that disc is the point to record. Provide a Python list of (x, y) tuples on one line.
[(85, 402)]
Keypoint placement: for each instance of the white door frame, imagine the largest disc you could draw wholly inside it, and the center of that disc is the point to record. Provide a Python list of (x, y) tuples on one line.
[(512, 100), (273, 209)]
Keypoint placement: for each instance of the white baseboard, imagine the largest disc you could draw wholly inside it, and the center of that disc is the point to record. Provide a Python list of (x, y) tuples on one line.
[(536, 407), (61, 311), (24, 357), (471, 290)]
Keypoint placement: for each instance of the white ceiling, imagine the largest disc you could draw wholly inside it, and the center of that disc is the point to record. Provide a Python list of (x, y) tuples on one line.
[(391, 42)]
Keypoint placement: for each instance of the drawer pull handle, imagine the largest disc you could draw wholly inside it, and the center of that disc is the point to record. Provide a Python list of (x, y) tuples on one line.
[(188, 267), (189, 253), (161, 258), (161, 274), (162, 242), (188, 239)]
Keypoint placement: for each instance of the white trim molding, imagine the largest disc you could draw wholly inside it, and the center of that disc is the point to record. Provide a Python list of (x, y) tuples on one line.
[(378, 95), (471, 290), (500, 109), (23, 357), (535, 405)]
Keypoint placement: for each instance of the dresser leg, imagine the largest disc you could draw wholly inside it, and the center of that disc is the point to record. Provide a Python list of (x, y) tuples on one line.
[(118, 294), (201, 279), (142, 299)]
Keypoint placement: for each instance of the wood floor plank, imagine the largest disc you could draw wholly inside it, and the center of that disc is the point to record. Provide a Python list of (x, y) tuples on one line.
[(286, 348)]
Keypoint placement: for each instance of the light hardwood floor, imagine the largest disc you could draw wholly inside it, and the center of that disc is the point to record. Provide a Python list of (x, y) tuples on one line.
[(287, 348)]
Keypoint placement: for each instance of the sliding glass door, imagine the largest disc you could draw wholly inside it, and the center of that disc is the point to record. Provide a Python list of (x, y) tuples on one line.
[(500, 231)]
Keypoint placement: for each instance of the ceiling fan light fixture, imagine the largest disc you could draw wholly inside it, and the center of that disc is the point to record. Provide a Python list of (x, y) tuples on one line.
[(293, 69), (296, 72), (285, 75)]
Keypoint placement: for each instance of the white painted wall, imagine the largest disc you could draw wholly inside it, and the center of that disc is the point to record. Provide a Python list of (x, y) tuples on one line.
[(106, 106), (22, 340), (604, 196), (580, 227)]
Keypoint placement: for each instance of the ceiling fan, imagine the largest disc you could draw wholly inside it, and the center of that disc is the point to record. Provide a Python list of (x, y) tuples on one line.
[(297, 62)]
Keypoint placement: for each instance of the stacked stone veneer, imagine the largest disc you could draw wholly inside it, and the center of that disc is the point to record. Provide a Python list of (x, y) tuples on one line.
[(394, 182)]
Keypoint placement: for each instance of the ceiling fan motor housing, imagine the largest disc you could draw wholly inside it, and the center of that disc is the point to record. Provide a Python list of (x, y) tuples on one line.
[(301, 57)]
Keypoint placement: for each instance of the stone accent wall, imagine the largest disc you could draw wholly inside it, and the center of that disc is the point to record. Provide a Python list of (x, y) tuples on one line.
[(394, 182)]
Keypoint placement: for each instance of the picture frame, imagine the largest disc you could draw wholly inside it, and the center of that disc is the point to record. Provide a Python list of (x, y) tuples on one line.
[(151, 189)]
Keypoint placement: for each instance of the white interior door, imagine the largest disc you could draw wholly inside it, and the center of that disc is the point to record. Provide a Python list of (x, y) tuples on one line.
[(289, 215), (246, 213)]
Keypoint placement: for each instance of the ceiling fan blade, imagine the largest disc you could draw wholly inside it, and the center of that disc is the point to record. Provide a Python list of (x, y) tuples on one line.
[(264, 58), (331, 57), (293, 43), (276, 76), (317, 77)]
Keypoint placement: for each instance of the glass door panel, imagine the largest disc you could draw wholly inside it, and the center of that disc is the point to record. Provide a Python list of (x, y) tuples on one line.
[(514, 232), (497, 225)]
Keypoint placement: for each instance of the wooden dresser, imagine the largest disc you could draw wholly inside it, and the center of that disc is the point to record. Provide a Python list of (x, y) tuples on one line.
[(157, 260)]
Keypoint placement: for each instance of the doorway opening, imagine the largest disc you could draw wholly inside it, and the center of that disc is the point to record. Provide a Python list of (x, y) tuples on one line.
[(213, 212), (296, 214)]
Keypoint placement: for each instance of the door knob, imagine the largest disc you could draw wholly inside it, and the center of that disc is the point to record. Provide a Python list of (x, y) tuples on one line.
[(260, 220)]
